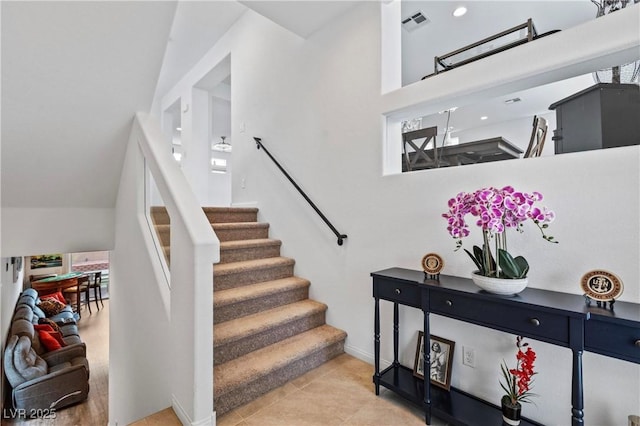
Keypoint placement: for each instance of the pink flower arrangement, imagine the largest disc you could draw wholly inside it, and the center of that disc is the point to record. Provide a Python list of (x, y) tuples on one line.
[(496, 210)]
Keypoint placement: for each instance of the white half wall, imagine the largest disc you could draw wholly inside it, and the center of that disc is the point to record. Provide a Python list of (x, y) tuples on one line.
[(139, 310)]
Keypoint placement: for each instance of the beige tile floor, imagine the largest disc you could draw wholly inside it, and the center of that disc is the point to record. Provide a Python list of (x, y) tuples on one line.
[(338, 393)]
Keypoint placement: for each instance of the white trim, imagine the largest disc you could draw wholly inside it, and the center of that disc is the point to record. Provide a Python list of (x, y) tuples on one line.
[(184, 417)]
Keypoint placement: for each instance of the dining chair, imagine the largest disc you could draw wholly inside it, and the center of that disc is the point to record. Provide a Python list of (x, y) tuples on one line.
[(96, 285), (538, 135), (82, 287)]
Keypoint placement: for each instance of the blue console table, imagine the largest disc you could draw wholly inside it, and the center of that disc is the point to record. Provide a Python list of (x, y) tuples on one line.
[(558, 318)]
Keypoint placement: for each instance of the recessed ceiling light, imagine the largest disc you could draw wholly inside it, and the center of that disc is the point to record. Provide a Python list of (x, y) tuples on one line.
[(179, 129), (459, 11), (484, 117)]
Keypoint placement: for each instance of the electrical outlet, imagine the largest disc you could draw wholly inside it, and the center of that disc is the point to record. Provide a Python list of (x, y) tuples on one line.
[(469, 356)]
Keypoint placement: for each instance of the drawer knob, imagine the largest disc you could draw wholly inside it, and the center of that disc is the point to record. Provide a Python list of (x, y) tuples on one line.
[(637, 343), (398, 291), (448, 303), (534, 321)]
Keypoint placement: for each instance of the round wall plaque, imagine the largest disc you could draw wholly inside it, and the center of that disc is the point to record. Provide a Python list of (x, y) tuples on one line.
[(432, 263), (601, 285)]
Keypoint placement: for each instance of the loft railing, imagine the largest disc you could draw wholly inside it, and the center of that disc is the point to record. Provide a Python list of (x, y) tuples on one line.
[(341, 237)]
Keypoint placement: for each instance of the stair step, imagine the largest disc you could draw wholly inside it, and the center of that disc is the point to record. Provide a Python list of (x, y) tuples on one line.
[(248, 377), (241, 231), (241, 250), (214, 214), (235, 338), (238, 274), (242, 301), (236, 251), (225, 232), (163, 231), (231, 214)]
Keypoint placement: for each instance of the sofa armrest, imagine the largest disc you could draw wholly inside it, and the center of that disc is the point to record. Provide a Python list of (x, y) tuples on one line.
[(52, 391), (65, 354)]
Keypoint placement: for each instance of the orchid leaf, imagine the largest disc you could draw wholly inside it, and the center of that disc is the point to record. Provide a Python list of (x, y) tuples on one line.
[(475, 260), (512, 268)]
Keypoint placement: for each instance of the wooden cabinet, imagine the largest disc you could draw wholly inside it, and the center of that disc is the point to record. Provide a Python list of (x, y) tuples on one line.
[(557, 318)]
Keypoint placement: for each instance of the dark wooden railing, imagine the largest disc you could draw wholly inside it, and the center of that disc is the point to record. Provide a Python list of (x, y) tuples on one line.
[(341, 237)]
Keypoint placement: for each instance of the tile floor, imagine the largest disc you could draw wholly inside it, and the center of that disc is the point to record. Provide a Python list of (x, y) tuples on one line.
[(338, 393)]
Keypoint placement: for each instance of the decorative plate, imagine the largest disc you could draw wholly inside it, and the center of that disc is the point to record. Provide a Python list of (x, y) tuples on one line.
[(601, 285), (432, 263)]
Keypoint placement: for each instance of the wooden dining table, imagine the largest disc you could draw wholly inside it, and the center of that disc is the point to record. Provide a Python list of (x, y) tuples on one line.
[(57, 283)]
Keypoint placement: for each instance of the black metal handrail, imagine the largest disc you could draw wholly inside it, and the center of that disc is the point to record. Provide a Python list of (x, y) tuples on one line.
[(341, 237)]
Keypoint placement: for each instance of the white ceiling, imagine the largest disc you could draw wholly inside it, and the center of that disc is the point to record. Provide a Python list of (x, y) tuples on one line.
[(73, 76)]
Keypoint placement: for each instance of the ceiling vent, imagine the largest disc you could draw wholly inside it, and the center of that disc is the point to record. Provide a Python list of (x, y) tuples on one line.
[(414, 21)]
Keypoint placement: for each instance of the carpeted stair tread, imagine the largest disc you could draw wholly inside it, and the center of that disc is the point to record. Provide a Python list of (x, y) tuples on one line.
[(236, 295), (231, 214), (222, 269), (239, 225), (240, 250), (214, 214), (251, 325), (242, 371), (247, 244)]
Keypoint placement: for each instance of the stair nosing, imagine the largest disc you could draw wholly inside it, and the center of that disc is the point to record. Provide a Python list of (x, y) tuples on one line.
[(265, 320), (222, 269), (278, 362), (257, 291)]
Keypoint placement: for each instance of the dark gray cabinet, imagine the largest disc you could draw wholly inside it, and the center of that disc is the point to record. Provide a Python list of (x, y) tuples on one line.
[(605, 115)]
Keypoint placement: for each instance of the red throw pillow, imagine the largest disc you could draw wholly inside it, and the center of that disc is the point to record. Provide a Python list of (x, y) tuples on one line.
[(57, 295), (43, 327), (46, 328), (48, 341)]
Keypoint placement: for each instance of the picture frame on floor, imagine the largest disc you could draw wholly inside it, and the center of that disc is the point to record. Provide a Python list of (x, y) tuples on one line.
[(441, 360)]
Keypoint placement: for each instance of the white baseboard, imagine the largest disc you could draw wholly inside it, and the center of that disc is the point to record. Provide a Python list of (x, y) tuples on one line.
[(365, 356), (186, 420)]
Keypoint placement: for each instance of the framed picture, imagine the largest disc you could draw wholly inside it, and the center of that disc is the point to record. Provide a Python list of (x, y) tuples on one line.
[(46, 261), (441, 355)]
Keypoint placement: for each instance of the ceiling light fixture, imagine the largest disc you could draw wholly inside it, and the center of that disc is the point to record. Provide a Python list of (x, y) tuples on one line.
[(459, 11), (222, 146), (179, 129), (484, 117)]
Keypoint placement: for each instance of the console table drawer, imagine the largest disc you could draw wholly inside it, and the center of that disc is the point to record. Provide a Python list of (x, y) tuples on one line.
[(407, 294), (545, 326), (612, 339)]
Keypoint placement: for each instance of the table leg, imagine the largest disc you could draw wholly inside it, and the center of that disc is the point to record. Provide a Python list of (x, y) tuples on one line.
[(426, 368), (577, 400), (376, 344), (396, 334)]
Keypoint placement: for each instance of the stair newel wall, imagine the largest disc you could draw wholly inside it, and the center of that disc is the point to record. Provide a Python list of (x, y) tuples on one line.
[(194, 248)]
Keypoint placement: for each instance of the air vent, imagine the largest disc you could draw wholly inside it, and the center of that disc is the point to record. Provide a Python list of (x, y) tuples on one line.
[(512, 101), (415, 20)]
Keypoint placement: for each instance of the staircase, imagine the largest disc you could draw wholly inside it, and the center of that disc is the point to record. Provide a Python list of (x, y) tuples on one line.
[(266, 329)]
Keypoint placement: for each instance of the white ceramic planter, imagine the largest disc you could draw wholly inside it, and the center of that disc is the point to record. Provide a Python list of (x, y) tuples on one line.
[(501, 286)]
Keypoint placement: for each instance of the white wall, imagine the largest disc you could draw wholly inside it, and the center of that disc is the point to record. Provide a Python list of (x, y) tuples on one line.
[(220, 183), (10, 290), (317, 105), (27, 231), (139, 317)]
